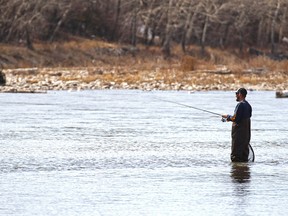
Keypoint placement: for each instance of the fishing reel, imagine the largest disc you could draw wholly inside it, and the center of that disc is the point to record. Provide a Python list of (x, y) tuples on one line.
[(224, 120)]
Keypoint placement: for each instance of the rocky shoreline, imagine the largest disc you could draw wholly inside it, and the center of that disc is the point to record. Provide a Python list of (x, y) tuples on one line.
[(41, 80)]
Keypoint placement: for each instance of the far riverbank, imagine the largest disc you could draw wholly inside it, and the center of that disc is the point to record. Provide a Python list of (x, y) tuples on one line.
[(41, 80), (92, 64)]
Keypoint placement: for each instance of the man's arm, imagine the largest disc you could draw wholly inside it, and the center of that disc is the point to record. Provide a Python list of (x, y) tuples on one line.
[(237, 114)]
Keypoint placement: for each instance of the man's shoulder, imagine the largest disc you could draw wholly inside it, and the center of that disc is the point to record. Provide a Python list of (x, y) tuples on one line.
[(243, 104), (246, 102)]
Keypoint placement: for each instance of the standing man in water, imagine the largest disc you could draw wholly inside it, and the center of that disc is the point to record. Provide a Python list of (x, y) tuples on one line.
[(241, 127)]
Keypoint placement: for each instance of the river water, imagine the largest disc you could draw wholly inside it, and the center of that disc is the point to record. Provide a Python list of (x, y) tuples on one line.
[(124, 152)]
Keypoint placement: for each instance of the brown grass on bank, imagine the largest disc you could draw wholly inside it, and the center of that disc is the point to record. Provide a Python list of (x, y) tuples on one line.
[(120, 63), (268, 64), (89, 53)]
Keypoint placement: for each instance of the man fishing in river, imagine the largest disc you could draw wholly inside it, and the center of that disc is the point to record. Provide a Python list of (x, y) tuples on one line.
[(241, 127)]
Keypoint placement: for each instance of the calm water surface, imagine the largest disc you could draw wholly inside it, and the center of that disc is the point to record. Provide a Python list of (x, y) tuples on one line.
[(122, 152)]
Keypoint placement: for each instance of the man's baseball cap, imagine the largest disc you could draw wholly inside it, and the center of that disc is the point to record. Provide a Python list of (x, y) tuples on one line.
[(242, 91)]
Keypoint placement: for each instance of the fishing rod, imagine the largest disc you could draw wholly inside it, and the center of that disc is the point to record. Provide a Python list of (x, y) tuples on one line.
[(185, 105)]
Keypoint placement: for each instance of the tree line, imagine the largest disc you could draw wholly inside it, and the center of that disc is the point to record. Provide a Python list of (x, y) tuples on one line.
[(217, 23)]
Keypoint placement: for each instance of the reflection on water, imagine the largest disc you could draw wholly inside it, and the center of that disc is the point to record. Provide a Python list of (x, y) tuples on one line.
[(241, 177), (127, 153), (240, 172)]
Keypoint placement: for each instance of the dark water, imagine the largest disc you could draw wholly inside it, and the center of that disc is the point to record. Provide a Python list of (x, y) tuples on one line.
[(128, 153)]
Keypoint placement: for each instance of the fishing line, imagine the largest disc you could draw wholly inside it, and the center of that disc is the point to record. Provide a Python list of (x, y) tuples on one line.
[(251, 156), (192, 107)]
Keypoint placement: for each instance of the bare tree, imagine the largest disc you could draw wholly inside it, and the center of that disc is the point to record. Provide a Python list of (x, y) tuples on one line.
[(19, 18), (172, 16), (273, 25), (116, 21), (61, 20), (149, 22), (189, 23), (283, 22), (168, 30), (205, 22), (242, 17)]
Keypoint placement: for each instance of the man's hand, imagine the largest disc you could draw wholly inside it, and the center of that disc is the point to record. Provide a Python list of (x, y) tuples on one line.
[(224, 118)]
